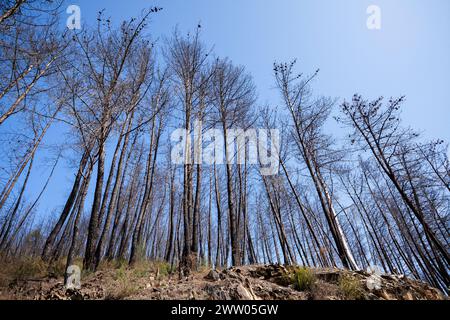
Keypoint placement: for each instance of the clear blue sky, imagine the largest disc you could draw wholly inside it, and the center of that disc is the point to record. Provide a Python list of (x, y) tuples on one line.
[(409, 56)]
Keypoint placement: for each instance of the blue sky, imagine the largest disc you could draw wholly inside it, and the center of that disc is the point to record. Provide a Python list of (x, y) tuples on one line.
[(409, 56)]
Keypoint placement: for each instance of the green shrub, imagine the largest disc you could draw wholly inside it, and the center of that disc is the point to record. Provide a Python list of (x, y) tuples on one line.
[(164, 268), (304, 279), (351, 288)]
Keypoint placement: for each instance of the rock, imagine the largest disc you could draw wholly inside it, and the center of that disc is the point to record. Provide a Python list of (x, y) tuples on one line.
[(232, 273), (385, 295), (374, 282), (408, 296), (243, 294), (329, 275), (213, 275), (215, 292)]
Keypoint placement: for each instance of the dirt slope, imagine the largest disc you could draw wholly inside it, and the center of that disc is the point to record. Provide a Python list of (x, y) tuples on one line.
[(257, 282)]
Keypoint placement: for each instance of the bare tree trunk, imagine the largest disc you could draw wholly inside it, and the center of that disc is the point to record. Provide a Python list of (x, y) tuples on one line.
[(106, 227), (9, 222), (8, 188), (76, 224), (171, 217), (219, 218), (50, 242), (94, 228), (235, 250), (150, 173)]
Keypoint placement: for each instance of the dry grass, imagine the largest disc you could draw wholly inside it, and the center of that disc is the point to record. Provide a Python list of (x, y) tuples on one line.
[(301, 278), (350, 288), (304, 279), (127, 281), (122, 285), (29, 268), (117, 278), (21, 269)]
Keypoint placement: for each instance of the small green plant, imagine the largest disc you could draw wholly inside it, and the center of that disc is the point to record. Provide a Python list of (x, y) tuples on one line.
[(303, 279), (351, 288), (120, 274), (120, 263), (163, 268), (141, 269), (123, 285)]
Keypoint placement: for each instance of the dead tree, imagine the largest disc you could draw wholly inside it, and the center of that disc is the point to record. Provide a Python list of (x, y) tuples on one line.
[(187, 57), (31, 48), (377, 128), (233, 95), (307, 118)]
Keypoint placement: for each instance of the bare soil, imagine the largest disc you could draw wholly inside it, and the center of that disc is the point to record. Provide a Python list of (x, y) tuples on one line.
[(255, 282)]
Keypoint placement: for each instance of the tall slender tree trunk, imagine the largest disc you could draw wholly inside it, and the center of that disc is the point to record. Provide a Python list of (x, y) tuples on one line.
[(50, 242), (94, 228)]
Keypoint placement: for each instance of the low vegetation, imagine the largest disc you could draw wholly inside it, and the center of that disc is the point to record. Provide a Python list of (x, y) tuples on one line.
[(350, 287), (299, 278), (151, 280)]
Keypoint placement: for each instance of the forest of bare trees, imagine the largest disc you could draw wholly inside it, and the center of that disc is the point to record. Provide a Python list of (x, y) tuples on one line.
[(379, 198)]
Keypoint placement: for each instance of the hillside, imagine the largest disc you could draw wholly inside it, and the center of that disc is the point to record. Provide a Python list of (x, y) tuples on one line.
[(256, 282)]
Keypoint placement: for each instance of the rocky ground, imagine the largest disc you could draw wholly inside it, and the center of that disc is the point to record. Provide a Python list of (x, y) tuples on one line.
[(257, 282)]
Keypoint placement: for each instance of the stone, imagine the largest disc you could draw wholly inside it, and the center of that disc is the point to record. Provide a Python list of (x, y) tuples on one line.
[(243, 293), (213, 275)]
